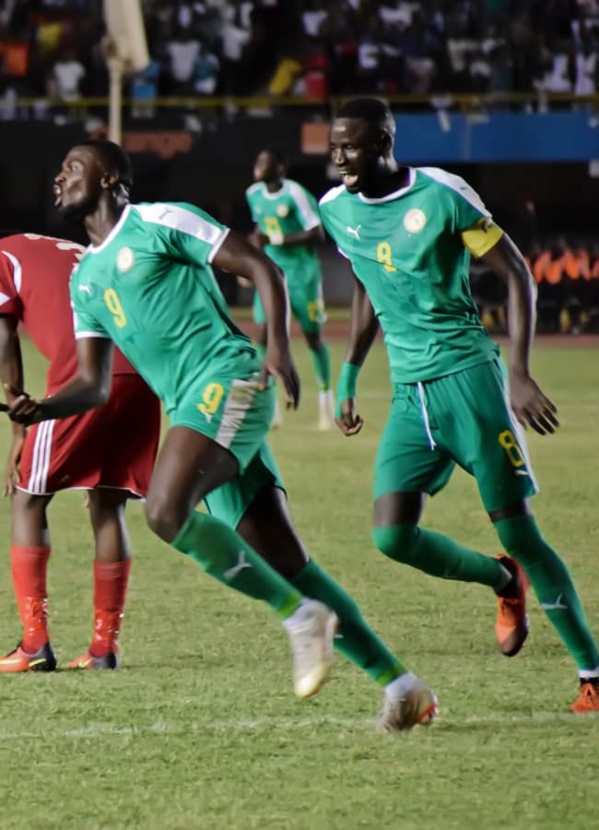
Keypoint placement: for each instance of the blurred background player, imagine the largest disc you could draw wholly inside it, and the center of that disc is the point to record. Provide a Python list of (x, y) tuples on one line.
[(109, 452), (287, 229), (408, 233), (146, 282)]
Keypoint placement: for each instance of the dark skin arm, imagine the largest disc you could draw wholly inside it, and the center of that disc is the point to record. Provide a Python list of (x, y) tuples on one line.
[(91, 387), (530, 405), (363, 330), (11, 375), (310, 237), (238, 256)]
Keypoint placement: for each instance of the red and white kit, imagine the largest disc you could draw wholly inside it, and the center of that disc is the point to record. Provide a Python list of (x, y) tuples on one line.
[(113, 446)]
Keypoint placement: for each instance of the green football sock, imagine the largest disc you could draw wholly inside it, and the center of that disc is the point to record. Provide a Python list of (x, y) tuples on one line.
[(438, 555), (357, 642), (224, 555), (553, 586), (322, 367)]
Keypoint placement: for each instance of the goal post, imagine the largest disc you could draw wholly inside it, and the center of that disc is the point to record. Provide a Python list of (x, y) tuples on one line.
[(126, 51)]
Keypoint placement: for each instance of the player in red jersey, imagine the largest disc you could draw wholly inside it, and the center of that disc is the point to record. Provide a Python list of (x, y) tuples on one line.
[(108, 452)]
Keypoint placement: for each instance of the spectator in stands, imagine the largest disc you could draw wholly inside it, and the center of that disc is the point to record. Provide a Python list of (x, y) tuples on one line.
[(182, 50), (65, 77), (144, 91), (576, 277)]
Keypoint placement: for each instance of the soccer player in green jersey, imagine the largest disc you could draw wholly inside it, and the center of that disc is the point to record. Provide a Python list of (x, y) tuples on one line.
[(409, 233), (146, 284), (287, 228)]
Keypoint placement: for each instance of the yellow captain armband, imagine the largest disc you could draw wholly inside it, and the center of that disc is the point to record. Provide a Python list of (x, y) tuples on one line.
[(480, 238)]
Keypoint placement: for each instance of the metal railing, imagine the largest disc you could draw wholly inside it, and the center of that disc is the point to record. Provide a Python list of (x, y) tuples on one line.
[(464, 102)]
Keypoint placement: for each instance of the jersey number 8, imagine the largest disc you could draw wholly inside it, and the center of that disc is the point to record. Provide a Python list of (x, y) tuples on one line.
[(383, 255), (507, 440)]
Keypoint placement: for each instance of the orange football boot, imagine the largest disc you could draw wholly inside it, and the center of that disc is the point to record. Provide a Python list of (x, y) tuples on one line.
[(88, 661), (511, 624), (588, 698), (19, 660)]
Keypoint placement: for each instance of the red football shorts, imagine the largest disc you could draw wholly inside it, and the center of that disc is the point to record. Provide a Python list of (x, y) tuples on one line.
[(112, 446)]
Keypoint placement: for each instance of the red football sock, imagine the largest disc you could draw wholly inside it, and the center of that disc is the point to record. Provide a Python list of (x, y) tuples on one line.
[(29, 567), (110, 591)]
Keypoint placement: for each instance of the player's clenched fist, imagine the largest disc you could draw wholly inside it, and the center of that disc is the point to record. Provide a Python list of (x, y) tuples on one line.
[(348, 422), (23, 409)]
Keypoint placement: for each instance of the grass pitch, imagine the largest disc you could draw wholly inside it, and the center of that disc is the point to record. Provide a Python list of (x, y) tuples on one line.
[(200, 729)]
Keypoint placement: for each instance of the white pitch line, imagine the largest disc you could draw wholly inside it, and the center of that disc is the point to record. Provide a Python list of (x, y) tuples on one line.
[(97, 730)]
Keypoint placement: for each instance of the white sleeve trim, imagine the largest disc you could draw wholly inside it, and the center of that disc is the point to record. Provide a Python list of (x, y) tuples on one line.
[(218, 244), (84, 335), (459, 185), (309, 217), (332, 194), (17, 271), (182, 220)]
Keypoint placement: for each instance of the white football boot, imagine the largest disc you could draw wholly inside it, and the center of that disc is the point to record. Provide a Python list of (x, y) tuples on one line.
[(311, 630), (408, 702), (326, 410)]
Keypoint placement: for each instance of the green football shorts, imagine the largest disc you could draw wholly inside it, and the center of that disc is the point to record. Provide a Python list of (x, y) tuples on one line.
[(235, 413), (305, 299), (464, 418), (230, 502)]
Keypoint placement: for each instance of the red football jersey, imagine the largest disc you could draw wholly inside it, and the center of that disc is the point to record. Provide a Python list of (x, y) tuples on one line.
[(34, 287)]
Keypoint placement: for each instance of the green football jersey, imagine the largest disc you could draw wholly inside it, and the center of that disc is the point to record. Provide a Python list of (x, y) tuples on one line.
[(289, 210), (150, 288), (406, 250)]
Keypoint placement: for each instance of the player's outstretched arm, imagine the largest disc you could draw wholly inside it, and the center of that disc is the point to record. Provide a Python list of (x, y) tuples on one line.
[(363, 329), (91, 387), (11, 375), (310, 237), (531, 406), (237, 256)]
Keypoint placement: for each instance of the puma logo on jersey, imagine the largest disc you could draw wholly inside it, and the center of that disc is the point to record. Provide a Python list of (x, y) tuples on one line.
[(85, 288), (355, 232)]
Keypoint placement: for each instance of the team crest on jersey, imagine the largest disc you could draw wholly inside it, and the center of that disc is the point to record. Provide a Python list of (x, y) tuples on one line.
[(282, 211), (125, 260), (414, 220)]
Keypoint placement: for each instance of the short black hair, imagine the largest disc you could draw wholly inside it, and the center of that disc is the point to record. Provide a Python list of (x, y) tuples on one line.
[(372, 110), (276, 154), (114, 158)]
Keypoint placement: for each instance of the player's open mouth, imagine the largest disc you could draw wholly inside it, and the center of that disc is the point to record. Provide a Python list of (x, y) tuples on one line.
[(348, 179), (57, 194)]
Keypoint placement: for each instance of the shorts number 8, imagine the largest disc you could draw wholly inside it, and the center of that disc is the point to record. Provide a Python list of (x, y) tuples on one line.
[(507, 440)]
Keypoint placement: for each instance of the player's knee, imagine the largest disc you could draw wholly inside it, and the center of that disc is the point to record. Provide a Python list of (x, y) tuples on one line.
[(313, 340), (164, 517), (396, 541), (27, 504)]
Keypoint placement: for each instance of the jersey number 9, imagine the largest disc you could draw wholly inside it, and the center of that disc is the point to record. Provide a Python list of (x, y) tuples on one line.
[(113, 304), (211, 398)]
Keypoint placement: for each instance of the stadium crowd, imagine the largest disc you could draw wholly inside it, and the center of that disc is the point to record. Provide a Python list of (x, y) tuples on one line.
[(310, 47), (53, 50), (567, 276)]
